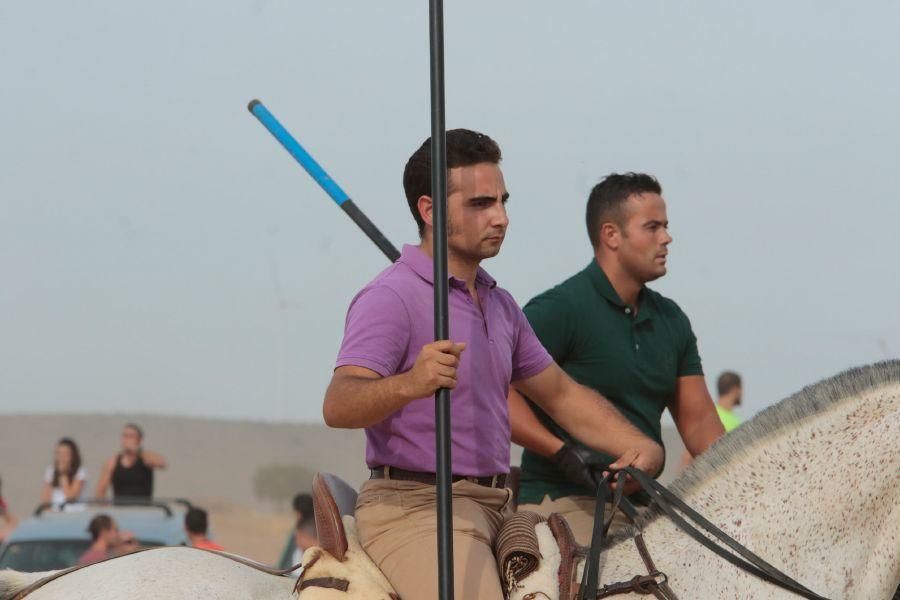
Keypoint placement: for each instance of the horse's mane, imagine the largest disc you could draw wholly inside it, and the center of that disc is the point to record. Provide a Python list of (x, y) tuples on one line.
[(810, 401)]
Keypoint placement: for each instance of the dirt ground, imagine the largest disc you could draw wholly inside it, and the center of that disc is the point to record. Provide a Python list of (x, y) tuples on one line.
[(251, 533)]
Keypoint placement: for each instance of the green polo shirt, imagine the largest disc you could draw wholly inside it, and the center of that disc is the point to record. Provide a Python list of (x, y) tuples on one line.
[(633, 360)]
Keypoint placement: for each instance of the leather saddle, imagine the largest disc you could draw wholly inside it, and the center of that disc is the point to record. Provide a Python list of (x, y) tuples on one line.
[(333, 498)]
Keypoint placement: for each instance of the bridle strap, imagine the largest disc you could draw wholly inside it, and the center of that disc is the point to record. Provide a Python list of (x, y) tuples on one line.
[(591, 576)]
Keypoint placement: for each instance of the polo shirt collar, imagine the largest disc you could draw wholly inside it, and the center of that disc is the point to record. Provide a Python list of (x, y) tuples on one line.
[(422, 264), (605, 288)]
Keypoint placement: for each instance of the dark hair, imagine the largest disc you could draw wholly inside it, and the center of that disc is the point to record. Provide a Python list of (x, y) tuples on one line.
[(728, 380), (99, 524), (76, 460), (303, 504), (137, 429), (607, 198), (196, 521), (464, 149)]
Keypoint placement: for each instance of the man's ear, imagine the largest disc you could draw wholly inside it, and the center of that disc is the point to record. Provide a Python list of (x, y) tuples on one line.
[(425, 209), (610, 235)]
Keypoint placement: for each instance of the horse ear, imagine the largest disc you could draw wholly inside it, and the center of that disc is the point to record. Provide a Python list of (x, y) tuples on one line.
[(327, 489)]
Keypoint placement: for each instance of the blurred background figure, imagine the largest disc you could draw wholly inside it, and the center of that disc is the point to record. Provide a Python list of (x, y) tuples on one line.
[(107, 541), (65, 479), (730, 394), (196, 526), (130, 471), (303, 535), (7, 521)]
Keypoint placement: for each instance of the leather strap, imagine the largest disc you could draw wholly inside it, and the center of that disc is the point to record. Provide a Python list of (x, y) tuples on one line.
[(590, 577), (240, 559), (656, 582), (388, 472), (334, 583)]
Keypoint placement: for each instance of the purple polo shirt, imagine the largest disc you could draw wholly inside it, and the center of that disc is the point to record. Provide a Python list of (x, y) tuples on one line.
[(388, 323)]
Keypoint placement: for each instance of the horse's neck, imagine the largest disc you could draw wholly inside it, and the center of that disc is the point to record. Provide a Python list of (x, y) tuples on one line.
[(818, 500)]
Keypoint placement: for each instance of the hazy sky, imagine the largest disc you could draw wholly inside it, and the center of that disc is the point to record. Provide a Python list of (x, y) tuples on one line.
[(159, 252)]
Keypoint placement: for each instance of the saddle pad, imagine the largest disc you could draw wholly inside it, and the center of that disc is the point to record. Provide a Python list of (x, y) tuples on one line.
[(517, 551)]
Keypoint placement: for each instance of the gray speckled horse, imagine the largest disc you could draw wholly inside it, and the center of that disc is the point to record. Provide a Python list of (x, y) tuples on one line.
[(812, 485)]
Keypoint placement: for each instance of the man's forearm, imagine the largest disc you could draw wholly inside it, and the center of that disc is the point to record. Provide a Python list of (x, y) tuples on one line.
[(354, 402), (592, 419), (702, 434), (527, 429)]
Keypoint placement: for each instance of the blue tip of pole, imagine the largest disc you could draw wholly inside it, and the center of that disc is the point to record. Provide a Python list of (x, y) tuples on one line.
[(253, 104)]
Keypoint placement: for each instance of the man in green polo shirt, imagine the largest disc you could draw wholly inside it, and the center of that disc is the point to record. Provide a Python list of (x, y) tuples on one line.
[(608, 331)]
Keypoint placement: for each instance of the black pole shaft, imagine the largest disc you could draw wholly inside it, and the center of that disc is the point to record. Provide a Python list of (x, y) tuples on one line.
[(441, 299), (360, 218)]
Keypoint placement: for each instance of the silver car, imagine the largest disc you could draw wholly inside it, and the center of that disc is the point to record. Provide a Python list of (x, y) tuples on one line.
[(56, 539)]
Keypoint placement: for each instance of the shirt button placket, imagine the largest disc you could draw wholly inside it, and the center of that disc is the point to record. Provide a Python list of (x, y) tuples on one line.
[(628, 312)]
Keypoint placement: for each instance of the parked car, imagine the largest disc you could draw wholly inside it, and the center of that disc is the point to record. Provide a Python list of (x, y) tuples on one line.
[(56, 539)]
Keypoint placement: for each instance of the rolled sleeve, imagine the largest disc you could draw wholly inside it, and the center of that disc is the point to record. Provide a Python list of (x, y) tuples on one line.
[(376, 332)]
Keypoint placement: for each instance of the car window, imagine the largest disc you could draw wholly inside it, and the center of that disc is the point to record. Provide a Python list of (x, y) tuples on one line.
[(44, 555), (47, 555)]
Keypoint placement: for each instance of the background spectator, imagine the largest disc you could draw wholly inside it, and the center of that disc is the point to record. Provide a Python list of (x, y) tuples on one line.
[(304, 535), (6, 518), (196, 525), (130, 471), (65, 479), (731, 392), (107, 541)]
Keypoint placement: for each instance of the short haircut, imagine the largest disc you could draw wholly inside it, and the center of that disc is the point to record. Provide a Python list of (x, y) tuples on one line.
[(137, 429), (464, 149), (728, 381), (607, 199), (98, 525), (303, 504), (196, 520)]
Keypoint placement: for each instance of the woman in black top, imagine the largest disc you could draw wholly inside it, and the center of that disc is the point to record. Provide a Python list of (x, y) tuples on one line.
[(131, 471)]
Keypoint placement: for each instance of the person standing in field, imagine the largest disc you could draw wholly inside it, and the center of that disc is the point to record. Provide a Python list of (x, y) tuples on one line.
[(130, 472), (66, 478)]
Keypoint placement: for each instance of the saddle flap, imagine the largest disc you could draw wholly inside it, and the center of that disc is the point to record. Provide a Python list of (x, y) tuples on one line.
[(332, 499)]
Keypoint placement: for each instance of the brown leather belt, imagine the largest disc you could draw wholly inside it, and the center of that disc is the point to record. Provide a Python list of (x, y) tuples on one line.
[(388, 472)]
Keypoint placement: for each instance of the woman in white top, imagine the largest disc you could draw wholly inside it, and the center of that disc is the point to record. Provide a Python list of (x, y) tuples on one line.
[(65, 479)]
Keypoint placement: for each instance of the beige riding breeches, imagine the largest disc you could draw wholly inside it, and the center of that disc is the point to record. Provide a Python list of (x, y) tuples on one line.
[(397, 523), (578, 511)]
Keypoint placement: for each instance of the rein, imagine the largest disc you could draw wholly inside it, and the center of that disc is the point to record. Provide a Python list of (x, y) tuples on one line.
[(656, 582), (239, 559)]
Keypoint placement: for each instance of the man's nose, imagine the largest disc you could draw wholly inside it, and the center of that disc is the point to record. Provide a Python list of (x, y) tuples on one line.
[(501, 219)]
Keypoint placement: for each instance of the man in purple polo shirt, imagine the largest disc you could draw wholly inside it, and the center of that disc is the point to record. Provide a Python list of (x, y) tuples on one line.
[(388, 370)]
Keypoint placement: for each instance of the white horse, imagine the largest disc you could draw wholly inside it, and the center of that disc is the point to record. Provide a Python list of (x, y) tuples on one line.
[(180, 572), (811, 485)]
